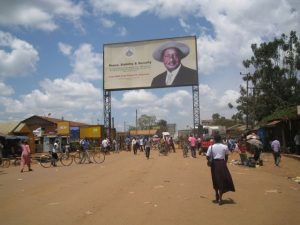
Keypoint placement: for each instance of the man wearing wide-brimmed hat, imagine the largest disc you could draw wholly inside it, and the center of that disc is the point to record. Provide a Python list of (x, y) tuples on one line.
[(170, 54)]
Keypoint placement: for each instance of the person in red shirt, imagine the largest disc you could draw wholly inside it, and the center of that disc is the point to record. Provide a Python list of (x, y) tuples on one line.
[(25, 157), (193, 141)]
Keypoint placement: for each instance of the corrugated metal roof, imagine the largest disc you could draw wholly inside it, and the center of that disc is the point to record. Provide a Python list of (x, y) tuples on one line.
[(19, 127), (273, 123), (72, 123), (6, 128)]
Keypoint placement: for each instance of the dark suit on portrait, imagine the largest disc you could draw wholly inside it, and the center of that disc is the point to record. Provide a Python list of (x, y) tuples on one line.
[(185, 77)]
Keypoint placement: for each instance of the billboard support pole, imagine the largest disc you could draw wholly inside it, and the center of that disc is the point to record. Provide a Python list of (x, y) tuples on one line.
[(196, 108), (107, 112)]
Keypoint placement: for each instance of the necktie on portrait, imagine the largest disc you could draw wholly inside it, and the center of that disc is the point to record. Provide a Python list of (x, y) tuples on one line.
[(169, 79)]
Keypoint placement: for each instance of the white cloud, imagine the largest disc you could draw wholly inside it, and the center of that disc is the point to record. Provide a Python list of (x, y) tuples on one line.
[(130, 8), (39, 14), (210, 102), (107, 23), (65, 48), (6, 90), (133, 8), (136, 98), (230, 96), (175, 107), (62, 97), (206, 92), (122, 31), (86, 63), (17, 56), (178, 99), (238, 24), (184, 25)]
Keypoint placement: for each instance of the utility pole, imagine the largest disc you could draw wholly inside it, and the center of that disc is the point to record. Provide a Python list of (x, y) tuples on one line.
[(247, 101), (136, 122)]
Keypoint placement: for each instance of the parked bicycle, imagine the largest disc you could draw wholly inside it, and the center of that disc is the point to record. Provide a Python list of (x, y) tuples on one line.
[(4, 162), (11, 159), (65, 158), (163, 150), (97, 154)]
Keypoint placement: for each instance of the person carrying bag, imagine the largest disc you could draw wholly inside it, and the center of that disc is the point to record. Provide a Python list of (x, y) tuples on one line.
[(217, 156)]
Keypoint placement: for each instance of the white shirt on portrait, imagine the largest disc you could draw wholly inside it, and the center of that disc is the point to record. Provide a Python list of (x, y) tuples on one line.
[(171, 75)]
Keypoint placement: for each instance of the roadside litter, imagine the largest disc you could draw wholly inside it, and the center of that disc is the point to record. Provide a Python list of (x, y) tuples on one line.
[(296, 179)]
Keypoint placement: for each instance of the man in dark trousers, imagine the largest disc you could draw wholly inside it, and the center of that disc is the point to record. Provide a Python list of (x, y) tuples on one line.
[(171, 54)]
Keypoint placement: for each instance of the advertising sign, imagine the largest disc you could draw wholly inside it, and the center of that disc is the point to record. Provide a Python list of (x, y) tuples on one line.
[(63, 128), (91, 132), (150, 64)]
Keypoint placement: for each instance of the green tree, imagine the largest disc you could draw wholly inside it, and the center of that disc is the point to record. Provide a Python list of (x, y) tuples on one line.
[(274, 84), (215, 116), (219, 120), (146, 122), (162, 126)]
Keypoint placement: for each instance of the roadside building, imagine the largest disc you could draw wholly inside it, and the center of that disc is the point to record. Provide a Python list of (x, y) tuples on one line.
[(42, 131)]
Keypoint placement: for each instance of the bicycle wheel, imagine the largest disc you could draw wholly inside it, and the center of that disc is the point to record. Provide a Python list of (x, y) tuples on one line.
[(45, 161), (66, 159), (5, 163), (17, 161), (78, 157), (98, 157)]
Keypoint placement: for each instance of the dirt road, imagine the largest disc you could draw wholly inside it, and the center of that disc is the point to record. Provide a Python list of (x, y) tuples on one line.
[(164, 190)]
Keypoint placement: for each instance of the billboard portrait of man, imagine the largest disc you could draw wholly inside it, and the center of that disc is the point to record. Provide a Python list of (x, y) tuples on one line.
[(176, 74)]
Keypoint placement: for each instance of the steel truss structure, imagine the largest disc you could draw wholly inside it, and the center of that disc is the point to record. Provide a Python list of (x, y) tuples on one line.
[(107, 110), (196, 108)]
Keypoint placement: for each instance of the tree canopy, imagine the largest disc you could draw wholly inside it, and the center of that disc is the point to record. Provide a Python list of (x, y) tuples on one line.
[(274, 83), (146, 122)]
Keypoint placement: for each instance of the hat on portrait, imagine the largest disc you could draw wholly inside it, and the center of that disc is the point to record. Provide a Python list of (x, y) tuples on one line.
[(183, 48)]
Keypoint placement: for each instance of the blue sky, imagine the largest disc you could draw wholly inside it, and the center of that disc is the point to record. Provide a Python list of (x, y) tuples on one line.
[(51, 54)]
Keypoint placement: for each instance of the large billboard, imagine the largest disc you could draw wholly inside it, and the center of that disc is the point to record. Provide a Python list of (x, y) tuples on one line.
[(150, 64)]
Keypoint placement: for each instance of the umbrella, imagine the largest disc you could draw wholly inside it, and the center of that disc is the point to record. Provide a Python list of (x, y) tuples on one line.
[(250, 136), (255, 142)]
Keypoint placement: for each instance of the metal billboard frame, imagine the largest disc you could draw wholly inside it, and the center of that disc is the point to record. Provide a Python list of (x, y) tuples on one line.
[(107, 99)]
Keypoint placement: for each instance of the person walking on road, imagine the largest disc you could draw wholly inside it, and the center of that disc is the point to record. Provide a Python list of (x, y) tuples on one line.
[(147, 148), (54, 153), (85, 145), (193, 141), (275, 145), (171, 142), (221, 177), (133, 146), (297, 142), (25, 156)]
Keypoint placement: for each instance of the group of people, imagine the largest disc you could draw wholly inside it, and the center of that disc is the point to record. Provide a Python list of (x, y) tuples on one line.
[(218, 152), (142, 144)]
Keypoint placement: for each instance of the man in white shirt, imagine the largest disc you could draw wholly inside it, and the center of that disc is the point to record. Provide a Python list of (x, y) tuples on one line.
[(171, 54), (275, 145), (105, 145), (54, 153)]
